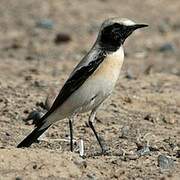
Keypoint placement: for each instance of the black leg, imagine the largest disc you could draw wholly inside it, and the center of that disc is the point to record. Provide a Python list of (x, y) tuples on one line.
[(71, 134), (97, 137)]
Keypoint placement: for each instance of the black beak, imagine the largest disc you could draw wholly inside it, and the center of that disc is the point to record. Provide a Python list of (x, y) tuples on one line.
[(137, 26)]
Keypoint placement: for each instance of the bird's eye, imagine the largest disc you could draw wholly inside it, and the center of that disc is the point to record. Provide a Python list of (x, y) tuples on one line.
[(116, 35)]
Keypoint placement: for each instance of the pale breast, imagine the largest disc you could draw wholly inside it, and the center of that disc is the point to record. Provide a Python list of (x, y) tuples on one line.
[(111, 66)]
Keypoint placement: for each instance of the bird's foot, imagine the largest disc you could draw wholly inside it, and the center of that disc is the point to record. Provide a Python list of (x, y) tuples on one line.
[(105, 150)]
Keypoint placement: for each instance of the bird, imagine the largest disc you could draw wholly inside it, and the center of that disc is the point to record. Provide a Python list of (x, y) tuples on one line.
[(91, 82)]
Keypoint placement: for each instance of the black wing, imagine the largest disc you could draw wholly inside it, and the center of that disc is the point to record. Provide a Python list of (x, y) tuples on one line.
[(75, 81)]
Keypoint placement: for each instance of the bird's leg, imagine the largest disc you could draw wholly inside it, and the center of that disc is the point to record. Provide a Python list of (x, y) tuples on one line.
[(71, 133), (91, 120)]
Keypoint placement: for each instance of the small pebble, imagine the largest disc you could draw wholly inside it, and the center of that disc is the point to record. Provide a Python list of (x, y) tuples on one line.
[(45, 23), (144, 151), (26, 111), (35, 166), (167, 47), (7, 134), (40, 84), (28, 78), (171, 121), (91, 176), (15, 45), (178, 153), (62, 38), (41, 104), (168, 120), (18, 178), (35, 116), (127, 99), (165, 162), (29, 58), (149, 117)]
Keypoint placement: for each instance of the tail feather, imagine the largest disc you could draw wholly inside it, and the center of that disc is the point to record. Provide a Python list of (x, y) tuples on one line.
[(32, 137)]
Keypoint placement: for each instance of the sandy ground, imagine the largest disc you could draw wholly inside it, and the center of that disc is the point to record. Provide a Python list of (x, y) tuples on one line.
[(143, 112)]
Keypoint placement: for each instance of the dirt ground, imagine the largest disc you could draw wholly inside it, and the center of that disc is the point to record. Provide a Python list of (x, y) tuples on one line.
[(138, 123)]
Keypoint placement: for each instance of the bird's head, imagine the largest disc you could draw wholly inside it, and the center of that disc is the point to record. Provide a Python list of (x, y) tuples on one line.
[(114, 32)]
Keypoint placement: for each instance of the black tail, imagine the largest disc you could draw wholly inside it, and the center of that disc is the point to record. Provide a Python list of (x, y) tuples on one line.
[(32, 137)]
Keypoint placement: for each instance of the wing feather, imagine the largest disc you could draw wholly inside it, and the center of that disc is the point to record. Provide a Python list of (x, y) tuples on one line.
[(76, 79)]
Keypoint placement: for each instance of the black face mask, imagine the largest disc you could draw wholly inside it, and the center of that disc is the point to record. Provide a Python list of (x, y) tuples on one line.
[(113, 36)]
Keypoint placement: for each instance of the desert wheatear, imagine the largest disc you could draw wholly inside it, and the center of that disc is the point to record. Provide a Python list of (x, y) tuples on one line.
[(91, 81)]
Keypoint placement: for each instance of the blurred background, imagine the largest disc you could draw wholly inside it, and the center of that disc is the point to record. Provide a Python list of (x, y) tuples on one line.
[(40, 43), (56, 30)]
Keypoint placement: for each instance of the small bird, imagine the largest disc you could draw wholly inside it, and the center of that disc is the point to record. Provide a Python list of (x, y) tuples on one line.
[(91, 82)]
